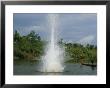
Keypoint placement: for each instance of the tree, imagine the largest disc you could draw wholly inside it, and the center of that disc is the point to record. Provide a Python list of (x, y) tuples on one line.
[(16, 37), (28, 46)]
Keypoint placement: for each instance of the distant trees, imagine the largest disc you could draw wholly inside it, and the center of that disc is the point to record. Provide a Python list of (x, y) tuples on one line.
[(31, 46), (80, 53)]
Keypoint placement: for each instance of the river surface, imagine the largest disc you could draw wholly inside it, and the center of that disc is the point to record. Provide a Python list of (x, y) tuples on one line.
[(31, 68)]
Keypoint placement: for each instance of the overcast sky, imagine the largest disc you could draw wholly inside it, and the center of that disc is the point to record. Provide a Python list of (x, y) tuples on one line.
[(72, 27)]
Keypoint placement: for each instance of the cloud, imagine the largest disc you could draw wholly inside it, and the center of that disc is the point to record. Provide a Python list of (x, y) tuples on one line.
[(87, 40), (76, 19), (26, 19), (70, 26), (25, 30), (41, 30)]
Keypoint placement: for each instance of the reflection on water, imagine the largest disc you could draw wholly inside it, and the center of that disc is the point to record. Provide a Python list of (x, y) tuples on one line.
[(81, 66), (52, 73), (24, 68), (92, 67)]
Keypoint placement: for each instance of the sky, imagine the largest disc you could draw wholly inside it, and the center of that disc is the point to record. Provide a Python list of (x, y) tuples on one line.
[(71, 27)]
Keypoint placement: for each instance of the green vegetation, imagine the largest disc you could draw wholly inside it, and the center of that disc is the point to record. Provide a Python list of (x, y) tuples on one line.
[(81, 54), (27, 47), (31, 46)]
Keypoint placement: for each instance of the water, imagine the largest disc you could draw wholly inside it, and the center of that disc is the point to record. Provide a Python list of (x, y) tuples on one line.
[(52, 63), (29, 68), (53, 60)]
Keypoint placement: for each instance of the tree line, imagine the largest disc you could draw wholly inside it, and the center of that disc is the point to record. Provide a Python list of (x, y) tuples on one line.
[(81, 53), (31, 46)]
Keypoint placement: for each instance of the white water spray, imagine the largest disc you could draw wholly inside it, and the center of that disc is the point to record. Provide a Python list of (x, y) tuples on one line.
[(53, 60)]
